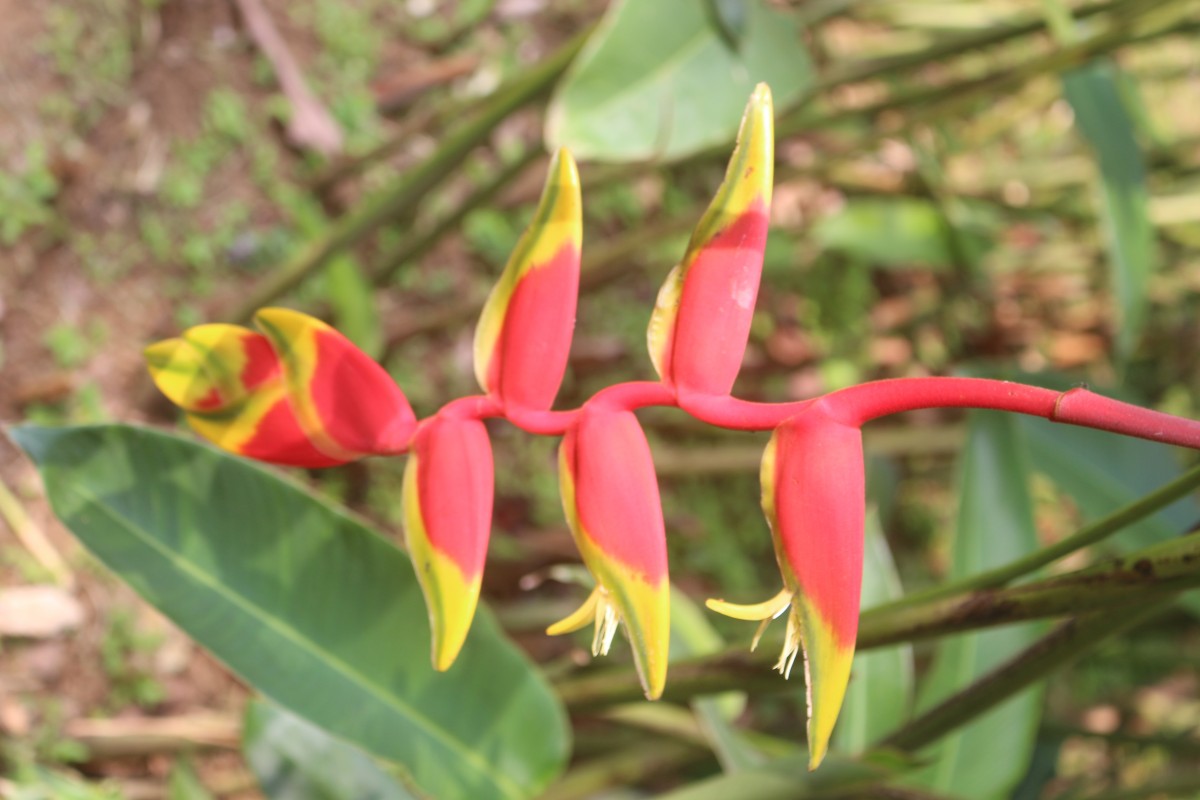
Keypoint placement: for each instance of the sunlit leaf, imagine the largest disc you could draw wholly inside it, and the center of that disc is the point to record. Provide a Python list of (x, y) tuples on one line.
[(306, 604), (660, 80), (900, 232)]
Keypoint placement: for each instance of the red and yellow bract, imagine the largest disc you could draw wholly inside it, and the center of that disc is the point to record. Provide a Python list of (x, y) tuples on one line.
[(448, 486), (524, 333), (610, 497)]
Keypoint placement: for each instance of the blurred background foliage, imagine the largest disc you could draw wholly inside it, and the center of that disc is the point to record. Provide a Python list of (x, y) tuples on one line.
[(993, 187)]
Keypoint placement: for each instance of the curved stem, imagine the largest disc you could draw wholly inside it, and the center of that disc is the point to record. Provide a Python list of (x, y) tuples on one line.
[(726, 411), (541, 423), (475, 406), (859, 404), (621, 397), (633, 395)]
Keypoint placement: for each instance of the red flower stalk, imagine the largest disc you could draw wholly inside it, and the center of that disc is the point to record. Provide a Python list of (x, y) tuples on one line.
[(303, 395)]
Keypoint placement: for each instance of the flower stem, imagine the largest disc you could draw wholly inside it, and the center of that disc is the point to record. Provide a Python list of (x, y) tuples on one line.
[(859, 404), (739, 415)]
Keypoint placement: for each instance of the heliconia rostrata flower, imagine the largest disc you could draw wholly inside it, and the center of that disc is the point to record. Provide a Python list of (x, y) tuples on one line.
[(301, 394)]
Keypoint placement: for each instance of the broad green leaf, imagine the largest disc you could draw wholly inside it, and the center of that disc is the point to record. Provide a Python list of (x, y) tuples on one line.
[(308, 605), (296, 760), (879, 696), (659, 81), (986, 758), (693, 635), (901, 232), (1103, 120)]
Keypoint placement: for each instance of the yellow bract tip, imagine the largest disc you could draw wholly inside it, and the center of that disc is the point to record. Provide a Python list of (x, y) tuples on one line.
[(450, 597)]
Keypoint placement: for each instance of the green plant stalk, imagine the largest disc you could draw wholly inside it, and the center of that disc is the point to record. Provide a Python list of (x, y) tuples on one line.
[(403, 198), (1184, 784), (932, 103), (1088, 535), (1142, 578), (971, 43), (1065, 643), (1006, 80), (412, 249), (625, 768)]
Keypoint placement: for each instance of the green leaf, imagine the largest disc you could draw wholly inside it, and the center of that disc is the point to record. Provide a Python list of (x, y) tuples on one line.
[(295, 760), (308, 605), (1103, 120), (660, 80), (901, 232), (986, 758), (879, 696)]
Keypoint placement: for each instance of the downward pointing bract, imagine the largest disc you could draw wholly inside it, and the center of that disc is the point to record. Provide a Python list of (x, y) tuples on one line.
[(610, 497)]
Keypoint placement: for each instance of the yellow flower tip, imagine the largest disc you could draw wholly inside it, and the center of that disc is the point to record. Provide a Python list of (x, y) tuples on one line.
[(578, 619), (563, 169), (160, 354), (753, 612), (602, 612), (597, 610), (827, 660), (760, 99)]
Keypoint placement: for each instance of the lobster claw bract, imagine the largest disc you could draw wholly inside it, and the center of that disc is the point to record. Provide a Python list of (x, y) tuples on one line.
[(524, 333), (610, 496), (229, 382), (813, 497), (701, 321), (448, 492), (346, 403)]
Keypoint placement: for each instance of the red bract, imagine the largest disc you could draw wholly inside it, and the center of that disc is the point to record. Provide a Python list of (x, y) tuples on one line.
[(346, 403), (524, 333), (304, 395), (701, 322), (448, 485), (610, 496), (813, 498)]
